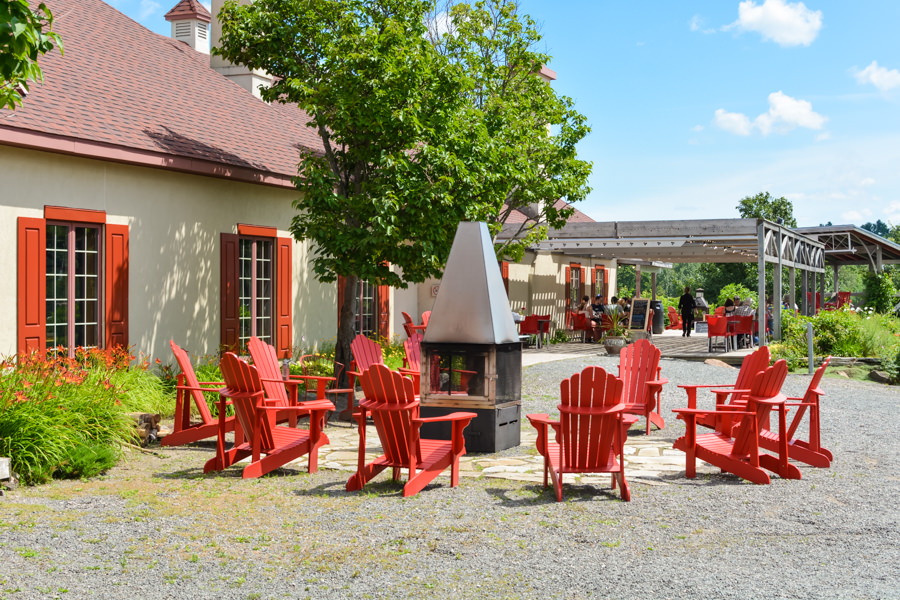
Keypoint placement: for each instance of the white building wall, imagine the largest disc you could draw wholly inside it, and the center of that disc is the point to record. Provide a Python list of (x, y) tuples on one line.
[(174, 245)]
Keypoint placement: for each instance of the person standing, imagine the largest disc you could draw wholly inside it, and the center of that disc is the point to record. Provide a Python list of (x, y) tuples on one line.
[(686, 308)]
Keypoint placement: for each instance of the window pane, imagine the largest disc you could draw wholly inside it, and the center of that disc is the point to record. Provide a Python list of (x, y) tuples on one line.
[(73, 316)]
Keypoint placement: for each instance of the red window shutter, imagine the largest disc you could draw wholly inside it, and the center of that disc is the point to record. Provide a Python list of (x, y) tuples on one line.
[(605, 285), (116, 285), (32, 285), (384, 311), (583, 280), (229, 283), (284, 297), (504, 272), (568, 287)]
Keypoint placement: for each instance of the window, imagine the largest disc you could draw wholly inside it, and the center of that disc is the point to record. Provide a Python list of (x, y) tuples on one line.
[(73, 286), (575, 276), (257, 297), (72, 281), (372, 308), (600, 283), (255, 301)]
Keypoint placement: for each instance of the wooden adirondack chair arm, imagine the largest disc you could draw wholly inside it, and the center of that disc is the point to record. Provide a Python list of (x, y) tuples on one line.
[(722, 395), (218, 383), (457, 416), (698, 411), (211, 386), (692, 388), (312, 405)]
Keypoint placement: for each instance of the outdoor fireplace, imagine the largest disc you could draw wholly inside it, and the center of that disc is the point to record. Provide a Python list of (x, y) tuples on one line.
[(701, 307), (471, 353)]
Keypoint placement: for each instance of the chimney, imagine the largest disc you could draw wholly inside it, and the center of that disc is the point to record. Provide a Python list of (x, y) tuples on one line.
[(190, 24), (247, 78)]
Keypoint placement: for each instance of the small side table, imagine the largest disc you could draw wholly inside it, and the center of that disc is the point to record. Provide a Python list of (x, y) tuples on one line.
[(540, 334)]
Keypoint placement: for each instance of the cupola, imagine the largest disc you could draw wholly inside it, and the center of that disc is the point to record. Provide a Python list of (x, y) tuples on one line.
[(190, 24)]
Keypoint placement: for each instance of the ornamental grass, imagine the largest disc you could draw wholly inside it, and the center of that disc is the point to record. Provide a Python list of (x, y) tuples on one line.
[(64, 416)]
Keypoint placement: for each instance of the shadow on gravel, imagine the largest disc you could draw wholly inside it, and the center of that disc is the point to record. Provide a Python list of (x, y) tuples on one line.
[(538, 494), (704, 479)]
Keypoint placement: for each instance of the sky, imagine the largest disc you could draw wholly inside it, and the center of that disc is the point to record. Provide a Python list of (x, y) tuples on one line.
[(696, 104)]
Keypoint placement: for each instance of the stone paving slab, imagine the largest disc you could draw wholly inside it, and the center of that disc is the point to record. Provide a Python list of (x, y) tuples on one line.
[(646, 459)]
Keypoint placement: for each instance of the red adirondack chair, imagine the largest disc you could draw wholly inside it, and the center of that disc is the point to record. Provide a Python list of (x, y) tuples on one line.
[(674, 319), (752, 364), (640, 373), (412, 346), (425, 316), (366, 353), (739, 454), (268, 445), (409, 326), (390, 399), (809, 451), (591, 431), (841, 299), (188, 390)]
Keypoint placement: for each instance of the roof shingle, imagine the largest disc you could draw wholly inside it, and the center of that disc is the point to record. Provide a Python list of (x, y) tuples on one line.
[(120, 84)]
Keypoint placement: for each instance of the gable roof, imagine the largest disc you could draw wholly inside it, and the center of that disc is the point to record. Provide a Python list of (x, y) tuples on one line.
[(126, 94), (189, 9), (517, 216)]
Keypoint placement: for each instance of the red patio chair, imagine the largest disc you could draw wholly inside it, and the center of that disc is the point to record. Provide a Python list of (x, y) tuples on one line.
[(718, 328), (640, 374), (674, 319)]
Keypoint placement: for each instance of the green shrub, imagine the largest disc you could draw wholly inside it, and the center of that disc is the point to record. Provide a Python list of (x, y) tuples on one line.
[(838, 333), (879, 291), (735, 289), (52, 407)]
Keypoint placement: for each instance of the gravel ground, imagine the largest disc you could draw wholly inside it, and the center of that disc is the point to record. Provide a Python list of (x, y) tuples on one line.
[(156, 527)]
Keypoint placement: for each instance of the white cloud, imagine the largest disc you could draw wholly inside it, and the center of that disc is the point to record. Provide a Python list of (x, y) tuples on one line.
[(697, 128), (892, 212), (785, 113), (736, 123), (785, 23), (880, 77), (824, 136), (867, 181), (696, 24), (148, 8), (857, 216)]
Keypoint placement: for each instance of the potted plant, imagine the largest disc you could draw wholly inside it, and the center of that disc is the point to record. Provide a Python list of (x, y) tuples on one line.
[(617, 335)]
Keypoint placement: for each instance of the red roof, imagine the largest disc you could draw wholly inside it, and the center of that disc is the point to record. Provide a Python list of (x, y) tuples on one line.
[(124, 93), (188, 9), (577, 217)]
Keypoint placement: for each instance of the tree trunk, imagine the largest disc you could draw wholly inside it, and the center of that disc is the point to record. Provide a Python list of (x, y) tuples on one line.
[(345, 335)]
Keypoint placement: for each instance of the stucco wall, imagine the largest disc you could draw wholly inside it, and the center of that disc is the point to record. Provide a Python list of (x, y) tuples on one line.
[(175, 220)]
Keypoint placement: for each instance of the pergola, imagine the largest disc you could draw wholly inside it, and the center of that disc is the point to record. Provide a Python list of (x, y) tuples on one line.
[(702, 240)]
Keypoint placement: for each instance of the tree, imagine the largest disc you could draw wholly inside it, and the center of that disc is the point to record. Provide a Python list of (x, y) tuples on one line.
[(879, 227), (24, 35), (764, 206), (526, 133), (406, 151)]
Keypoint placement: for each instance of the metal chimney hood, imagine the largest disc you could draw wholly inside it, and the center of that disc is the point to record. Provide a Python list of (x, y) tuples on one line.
[(471, 306)]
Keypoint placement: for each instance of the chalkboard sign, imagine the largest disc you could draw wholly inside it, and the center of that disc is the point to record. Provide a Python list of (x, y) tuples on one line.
[(640, 312)]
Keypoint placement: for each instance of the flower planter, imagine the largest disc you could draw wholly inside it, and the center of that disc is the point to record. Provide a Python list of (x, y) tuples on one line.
[(614, 344)]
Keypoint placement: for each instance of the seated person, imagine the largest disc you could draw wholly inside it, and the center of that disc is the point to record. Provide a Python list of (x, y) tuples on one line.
[(729, 307), (597, 308), (585, 309), (745, 309)]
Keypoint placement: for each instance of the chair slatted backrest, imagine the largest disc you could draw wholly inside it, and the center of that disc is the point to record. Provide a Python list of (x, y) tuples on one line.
[(590, 424), (809, 397), (265, 358), (391, 398), (766, 384), (425, 317), (190, 378), (752, 364), (407, 321), (366, 353), (245, 389), (638, 363), (674, 317), (413, 348)]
